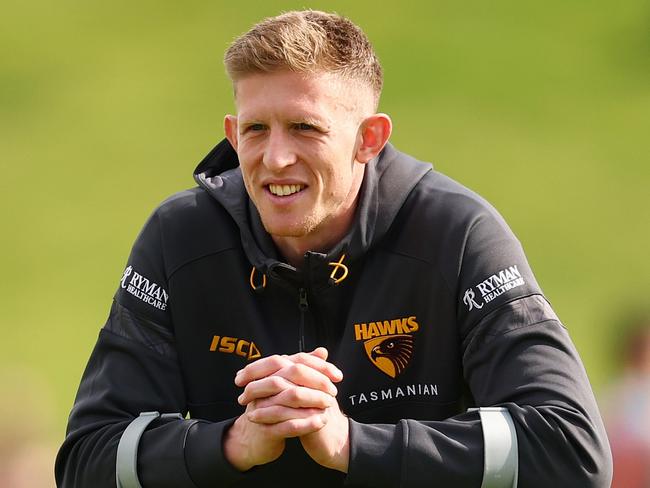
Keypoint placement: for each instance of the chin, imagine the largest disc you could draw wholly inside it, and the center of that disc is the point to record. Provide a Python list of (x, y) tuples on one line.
[(293, 229), (283, 230)]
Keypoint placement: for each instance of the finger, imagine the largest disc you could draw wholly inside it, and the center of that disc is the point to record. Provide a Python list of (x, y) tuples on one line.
[(279, 413), (287, 378), (317, 359), (272, 364), (320, 352), (298, 397), (302, 375), (295, 427), (263, 388), (260, 369)]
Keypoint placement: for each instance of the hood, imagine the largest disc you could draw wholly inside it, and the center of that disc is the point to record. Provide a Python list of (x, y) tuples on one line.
[(387, 181)]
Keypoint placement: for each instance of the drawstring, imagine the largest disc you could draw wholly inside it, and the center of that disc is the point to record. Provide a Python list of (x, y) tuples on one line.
[(251, 280), (338, 265), (334, 280)]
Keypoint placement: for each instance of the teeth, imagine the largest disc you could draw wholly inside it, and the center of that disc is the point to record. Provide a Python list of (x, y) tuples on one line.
[(284, 190)]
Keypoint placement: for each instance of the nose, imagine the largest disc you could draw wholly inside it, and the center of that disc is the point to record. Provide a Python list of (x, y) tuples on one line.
[(278, 152)]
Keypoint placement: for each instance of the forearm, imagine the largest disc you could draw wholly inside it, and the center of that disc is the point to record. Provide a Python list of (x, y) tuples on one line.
[(123, 379), (451, 453), (179, 453), (520, 358)]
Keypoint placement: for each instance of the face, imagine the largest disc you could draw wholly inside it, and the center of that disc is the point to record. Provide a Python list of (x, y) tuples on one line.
[(298, 139)]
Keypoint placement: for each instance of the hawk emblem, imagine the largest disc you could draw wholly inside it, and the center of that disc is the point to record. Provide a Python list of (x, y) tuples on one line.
[(391, 354)]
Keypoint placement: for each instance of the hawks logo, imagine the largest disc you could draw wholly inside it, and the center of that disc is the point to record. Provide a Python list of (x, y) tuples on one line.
[(391, 354), (388, 343)]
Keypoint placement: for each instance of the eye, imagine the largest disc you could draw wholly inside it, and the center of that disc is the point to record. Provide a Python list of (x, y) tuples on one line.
[(304, 126), (246, 128)]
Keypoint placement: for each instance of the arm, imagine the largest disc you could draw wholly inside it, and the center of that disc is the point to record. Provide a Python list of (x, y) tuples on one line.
[(123, 378), (134, 368), (515, 353), (521, 358)]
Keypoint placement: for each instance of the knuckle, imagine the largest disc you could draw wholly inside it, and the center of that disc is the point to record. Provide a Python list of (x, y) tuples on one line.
[(300, 369), (300, 356), (316, 422), (276, 382), (323, 400), (278, 361), (275, 360), (249, 389), (295, 425), (294, 395)]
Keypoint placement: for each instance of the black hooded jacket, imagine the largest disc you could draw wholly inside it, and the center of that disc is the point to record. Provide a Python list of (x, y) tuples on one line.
[(427, 305)]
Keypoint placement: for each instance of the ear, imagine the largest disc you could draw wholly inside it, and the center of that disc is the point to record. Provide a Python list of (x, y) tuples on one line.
[(375, 131), (230, 129)]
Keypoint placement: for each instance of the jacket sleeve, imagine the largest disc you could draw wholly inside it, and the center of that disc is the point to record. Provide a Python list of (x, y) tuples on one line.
[(134, 368), (516, 354)]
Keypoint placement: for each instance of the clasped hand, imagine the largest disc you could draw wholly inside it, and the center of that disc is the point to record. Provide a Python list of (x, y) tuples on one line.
[(289, 396)]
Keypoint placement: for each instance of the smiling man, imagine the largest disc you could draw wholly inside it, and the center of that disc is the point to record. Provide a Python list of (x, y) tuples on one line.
[(303, 151), (329, 309)]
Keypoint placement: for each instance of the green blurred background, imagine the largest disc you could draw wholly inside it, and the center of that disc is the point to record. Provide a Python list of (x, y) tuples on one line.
[(105, 108)]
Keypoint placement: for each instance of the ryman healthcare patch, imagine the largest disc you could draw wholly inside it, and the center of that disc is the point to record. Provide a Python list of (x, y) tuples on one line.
[(493, 287), (144, 289)]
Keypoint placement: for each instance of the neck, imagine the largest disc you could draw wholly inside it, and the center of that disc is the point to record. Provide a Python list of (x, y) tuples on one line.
[(324, 237), (294, 248)]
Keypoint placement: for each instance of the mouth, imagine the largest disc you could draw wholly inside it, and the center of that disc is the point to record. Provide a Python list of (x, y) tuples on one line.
[(285, 190)]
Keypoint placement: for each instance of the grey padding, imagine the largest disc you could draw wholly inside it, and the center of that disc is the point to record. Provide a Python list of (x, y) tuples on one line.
[(126, 466), (501, 456)]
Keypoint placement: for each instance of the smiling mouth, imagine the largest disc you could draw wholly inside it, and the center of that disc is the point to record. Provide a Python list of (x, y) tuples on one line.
[(285, 190)]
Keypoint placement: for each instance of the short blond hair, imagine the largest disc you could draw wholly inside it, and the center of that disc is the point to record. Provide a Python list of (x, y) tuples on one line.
[(306, 41)]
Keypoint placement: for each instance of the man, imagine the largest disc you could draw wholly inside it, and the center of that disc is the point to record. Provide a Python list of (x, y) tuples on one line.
[(326, 308)]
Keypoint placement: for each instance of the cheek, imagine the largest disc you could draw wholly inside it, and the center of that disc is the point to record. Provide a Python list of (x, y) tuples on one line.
[(249, 186), (248, 174), (248, 157), (337, 183), (249, 150), (334, 170)]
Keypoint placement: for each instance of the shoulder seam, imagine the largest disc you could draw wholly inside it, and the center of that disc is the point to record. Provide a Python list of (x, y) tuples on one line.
[(493, 312), (196, 258)]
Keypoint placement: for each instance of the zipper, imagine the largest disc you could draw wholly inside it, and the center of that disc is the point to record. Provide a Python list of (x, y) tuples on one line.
[(303, 305)]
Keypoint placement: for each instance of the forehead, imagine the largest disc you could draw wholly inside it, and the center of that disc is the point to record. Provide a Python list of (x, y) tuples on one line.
[(289, 91)]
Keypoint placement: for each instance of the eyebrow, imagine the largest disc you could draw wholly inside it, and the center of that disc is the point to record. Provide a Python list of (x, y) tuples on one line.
[(320, 124)]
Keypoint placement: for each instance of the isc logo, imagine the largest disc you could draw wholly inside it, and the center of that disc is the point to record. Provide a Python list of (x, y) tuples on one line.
[(232, 345)]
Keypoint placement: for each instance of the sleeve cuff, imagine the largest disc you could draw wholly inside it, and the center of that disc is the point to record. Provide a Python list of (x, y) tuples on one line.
[(373, 451), (206, 463)]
